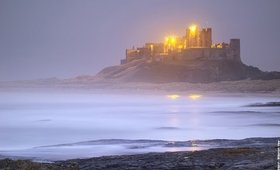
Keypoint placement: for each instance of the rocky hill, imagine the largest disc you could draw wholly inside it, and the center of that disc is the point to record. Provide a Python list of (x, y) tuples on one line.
[(197, 71)]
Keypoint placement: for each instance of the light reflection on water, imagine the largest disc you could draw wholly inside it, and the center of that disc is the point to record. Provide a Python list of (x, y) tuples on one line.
[(36, 119)]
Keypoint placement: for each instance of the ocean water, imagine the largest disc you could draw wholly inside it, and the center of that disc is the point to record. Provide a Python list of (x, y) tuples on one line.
[(54, 125)]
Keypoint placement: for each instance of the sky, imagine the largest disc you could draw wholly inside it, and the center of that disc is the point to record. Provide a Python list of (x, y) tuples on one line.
[(67, 38)]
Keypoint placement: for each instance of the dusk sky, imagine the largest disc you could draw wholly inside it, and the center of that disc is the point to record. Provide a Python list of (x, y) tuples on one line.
[(66, 38)]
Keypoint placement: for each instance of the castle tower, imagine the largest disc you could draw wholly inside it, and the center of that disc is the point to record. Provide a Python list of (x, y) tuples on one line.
[(206, 38), (235, 49), (192, 37)]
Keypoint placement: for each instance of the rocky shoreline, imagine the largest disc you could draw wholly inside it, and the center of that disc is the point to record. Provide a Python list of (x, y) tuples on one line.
[(221, 158), (257, 154)]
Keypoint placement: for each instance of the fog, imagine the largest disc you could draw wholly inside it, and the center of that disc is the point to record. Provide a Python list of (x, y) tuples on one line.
[(34, 119), (41, 39)]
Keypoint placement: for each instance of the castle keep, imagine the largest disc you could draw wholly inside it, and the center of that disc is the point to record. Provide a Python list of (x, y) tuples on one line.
[(195, 45)]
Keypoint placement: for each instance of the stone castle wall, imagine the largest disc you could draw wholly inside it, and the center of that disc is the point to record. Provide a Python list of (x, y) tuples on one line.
[(195, 45), (231, 52)]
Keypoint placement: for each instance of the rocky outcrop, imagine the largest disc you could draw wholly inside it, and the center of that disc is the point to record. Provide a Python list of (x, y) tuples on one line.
[(8, 164), (197, 71), (213, 159), (245, 154)]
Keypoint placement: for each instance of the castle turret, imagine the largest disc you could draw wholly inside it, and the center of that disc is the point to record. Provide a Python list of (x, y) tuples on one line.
[(192, 37), (206, 37), (197, 38), (235, 49)]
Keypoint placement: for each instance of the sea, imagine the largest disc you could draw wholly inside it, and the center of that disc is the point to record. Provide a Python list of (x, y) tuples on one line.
[(48, 125)]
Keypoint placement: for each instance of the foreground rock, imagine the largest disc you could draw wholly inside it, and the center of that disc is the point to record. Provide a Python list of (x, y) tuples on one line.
[(269, 104), (255, 158), (8, 164)]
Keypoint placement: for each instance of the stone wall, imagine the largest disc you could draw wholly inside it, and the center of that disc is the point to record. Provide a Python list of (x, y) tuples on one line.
[(229, 52)]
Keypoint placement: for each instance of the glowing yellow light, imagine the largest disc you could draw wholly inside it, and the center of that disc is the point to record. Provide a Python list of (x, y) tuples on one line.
[(193, 28), (173, 96), (173, 40), (152, 47), (170, 40), (195, 96)]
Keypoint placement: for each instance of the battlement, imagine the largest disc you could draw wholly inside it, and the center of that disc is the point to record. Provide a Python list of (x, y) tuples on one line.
[(196, 44)]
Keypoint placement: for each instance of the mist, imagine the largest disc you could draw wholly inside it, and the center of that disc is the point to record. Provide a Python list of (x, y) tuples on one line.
[(41, 39)]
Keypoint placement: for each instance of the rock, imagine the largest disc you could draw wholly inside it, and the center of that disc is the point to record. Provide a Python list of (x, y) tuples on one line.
[(8, 164), (268, 104), (259, 155), (192, 71)]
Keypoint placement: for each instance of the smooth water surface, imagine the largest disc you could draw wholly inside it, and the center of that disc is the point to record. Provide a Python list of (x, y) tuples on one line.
[(33, 119)]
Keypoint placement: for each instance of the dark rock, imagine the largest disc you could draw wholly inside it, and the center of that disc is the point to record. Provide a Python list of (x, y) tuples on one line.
[(269, 104), (8, 164), (192, 71), (250, 153)]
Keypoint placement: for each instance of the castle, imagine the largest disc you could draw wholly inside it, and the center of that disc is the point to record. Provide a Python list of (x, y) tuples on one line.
[(195, 45)]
